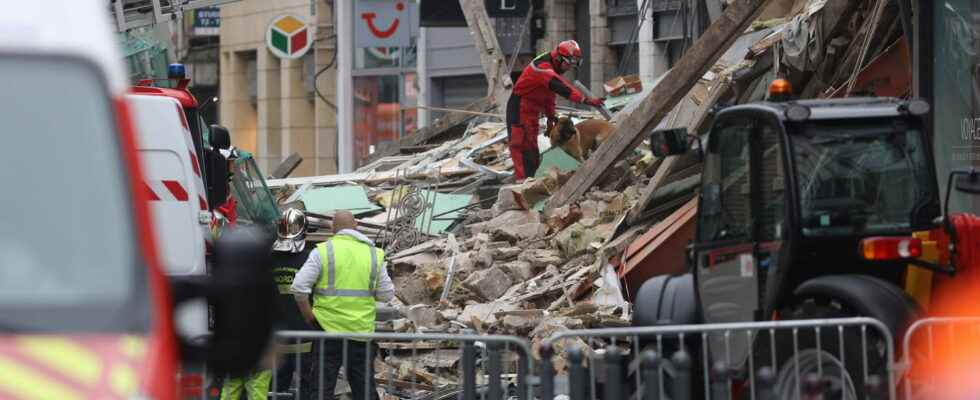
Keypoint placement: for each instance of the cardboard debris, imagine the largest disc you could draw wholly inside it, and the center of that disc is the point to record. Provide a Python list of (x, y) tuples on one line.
[(623, 85)]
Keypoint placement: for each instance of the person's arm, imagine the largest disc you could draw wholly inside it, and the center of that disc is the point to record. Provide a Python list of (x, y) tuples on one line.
[(386, 289), (303, 302), (303, 284), (564, 89)]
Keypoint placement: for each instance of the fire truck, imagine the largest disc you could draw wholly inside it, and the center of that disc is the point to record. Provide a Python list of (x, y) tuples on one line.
[(815, 209)]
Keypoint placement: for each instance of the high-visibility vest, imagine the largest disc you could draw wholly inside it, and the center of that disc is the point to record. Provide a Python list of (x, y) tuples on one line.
[(343, 298)]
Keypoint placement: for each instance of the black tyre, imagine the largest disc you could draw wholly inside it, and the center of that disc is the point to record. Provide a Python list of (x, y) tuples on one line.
[(849, 363)]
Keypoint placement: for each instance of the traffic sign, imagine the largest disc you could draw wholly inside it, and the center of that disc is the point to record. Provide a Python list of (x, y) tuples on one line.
[(382, 23), (288, 36)]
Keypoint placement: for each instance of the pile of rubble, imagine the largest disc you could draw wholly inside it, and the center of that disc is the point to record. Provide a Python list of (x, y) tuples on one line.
[(513, 268)]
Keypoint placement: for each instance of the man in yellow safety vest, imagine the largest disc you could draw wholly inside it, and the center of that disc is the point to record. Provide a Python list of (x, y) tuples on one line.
[(345, 275)]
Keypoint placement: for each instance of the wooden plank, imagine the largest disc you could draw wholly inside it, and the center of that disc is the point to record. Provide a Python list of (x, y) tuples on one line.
[(697, 126), (491, 55), (671, 89)]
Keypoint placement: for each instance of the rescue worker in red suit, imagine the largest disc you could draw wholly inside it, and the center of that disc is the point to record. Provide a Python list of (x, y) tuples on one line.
[(534, 95)]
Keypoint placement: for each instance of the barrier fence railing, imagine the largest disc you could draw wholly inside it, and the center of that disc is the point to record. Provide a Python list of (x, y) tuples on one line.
[(403, 366), (929, 349), (849, 358), (796, 359)]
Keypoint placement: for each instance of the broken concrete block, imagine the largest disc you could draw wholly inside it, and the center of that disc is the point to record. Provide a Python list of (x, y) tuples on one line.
[(506, 253), (449, 314), (489, 284), (472, 261), (484, 312), (505, 219), (435, 280), (541, 258), (424, 316), (563, 216), (615, 206), (410, 263), (578, 238), (520, 322), (519, 270), (591, 209), (509, 198), (521, 233), (411, 290)]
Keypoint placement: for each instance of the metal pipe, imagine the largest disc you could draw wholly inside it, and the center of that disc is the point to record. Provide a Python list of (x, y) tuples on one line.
[(681, 389), (547, 372), (494, 369), (576, 375), (650, 367), (469, 371), (614, 387)]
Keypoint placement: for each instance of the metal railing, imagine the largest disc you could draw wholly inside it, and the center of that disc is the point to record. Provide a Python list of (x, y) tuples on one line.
[(928, 344), (793, 359), (847, 358), (406, 366)]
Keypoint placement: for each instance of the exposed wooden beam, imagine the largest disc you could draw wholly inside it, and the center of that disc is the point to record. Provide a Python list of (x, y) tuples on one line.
[(671, 89), (491, 55)]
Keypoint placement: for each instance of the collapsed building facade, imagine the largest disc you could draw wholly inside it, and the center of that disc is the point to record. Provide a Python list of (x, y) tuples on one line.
[(469, 252)]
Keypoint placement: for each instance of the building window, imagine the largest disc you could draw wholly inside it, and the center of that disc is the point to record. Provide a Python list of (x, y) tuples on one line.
[(378, 113)]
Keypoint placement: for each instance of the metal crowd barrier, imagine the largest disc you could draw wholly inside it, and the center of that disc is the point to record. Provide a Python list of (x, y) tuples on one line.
[(414, 366), (742, 360), (927, 344)]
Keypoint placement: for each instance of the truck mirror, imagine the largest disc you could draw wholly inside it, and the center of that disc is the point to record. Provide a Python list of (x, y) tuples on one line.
[(220, 137), (669, 142), (242, 294), (968, 182)]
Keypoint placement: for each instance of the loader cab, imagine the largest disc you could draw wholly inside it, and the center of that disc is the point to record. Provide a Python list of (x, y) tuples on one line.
[(790, 189)]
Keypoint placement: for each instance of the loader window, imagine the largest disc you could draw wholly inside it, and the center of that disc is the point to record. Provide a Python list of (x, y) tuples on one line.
[(67, 244), (727, 213), (860, 177)]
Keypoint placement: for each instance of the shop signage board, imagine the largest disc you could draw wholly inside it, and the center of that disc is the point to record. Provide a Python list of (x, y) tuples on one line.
[(382, 23), (289, 36)]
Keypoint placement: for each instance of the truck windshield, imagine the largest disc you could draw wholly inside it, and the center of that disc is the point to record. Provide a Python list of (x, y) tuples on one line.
[(68, 258), (860, 177)]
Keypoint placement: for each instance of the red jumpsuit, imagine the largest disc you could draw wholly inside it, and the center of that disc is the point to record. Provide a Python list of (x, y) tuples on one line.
[(533, 95)]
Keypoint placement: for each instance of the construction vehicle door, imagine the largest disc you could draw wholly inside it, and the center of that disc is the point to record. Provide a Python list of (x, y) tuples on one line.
[(726, 264)]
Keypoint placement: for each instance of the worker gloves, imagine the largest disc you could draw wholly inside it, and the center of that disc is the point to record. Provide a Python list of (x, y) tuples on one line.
[(594, 101)]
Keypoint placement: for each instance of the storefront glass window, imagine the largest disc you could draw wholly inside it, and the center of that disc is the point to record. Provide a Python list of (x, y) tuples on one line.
[(956, 80), (378, 112)]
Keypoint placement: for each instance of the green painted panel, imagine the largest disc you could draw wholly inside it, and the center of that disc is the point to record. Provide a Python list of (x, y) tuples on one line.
[(329, 199), (443, 203), (557, 157)]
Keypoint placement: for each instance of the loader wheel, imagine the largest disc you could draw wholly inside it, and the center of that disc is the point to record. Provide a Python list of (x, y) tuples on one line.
[(838, 366)]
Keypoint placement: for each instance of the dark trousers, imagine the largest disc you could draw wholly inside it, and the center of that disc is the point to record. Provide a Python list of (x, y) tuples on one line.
[(359, 368), (307, 373)]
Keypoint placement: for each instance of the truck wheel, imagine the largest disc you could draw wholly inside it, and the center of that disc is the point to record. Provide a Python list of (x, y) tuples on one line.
[(832, 370), (671, 300)]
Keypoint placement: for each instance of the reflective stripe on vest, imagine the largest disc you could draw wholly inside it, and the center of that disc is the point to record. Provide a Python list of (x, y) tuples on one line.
[(331, 289)]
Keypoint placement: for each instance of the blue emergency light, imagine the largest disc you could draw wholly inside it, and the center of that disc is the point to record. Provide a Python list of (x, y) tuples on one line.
[(176, 71)]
